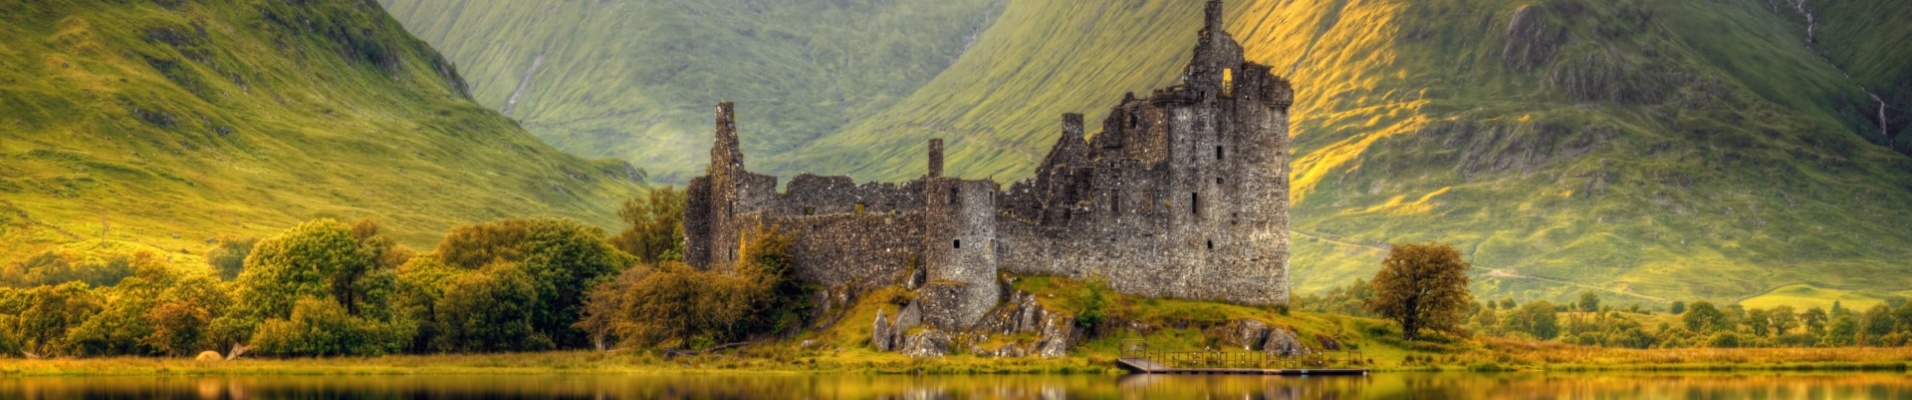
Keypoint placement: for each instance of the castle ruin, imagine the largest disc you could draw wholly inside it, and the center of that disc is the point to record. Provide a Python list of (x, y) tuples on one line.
[(1183, 194)]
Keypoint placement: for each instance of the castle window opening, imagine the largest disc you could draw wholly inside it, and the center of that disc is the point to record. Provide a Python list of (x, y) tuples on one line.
[(1218, 181), (1211, 245), (1228, 82), (959, 243), (1218, 153), (1194, 204), (952, 195)]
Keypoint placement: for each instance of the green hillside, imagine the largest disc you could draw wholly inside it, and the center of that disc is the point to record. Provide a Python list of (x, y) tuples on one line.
[(1651, 150), (637, 79), (162, 125)]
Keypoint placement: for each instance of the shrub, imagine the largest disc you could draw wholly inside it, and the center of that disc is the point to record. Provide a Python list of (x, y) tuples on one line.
[(321, 327), (489, 310), (604, 302), (563, 258), (1724, 340), (48, 313), (1095, 307), (1536, 319), (676, 305)]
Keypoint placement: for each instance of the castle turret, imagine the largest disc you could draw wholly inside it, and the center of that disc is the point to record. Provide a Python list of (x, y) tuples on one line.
[(936, 158)]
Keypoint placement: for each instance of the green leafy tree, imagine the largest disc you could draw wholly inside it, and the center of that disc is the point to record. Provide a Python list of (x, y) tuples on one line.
[(1842, 330), (1758, 322), (229, 257), (1815, 320), (353, 266), (1421, 286), (422, 282), (1784, 319), (656, 231), (48, 313), (1589, 302), (563, 257), (1875, 324), (1536, 319), (490, 310), (1508, 303), (1703, 317), (1678, 307), (1903, 316)]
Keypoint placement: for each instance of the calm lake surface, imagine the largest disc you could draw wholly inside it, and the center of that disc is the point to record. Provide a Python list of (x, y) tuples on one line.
[(1380, 386)]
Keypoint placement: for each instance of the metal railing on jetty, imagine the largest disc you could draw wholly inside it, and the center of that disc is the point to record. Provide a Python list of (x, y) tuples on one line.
[(1137, 349)]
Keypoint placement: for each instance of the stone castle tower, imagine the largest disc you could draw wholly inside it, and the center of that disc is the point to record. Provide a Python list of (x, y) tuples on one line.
[(1183, 194)]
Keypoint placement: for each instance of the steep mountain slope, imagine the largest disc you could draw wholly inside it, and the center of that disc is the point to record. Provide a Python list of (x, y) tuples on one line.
[(1650, 150), (164, 124), (635, 79)]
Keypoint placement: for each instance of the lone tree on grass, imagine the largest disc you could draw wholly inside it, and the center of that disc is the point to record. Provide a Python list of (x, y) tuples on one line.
[(1422, 286)]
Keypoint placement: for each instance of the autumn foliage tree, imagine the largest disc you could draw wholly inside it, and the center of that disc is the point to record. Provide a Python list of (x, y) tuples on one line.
[(1421, 286)]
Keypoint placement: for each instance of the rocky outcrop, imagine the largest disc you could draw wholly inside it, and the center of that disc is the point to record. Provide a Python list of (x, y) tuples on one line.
[(1020, 327), (883, 335), (1283, 342), (1243, 333), (925, 344), (1531, 39)]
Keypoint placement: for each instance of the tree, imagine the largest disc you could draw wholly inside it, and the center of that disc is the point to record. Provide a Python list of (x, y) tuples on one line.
[(1903, 315), (1536, 319), (1702, 317), (1487, 320), (1758, 322), (490, 310), (1842, 330), (1815, 320), (1507, 303), (1678, 307), (229, 257), (353, 266), (604, 302), (1875, 324), (1589, 302), (656, 231), (1421, 286), (563, 257), (1783, 319), (48, 312)]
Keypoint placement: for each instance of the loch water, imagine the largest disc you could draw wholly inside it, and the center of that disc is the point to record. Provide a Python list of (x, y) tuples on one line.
[(1447, 385)]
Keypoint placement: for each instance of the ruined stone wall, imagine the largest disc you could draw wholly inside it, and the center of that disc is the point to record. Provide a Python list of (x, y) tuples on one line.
[(857, 250), (961, 251)]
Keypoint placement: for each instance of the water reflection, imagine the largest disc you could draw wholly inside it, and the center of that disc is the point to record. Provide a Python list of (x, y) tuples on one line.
[(1381, 386)]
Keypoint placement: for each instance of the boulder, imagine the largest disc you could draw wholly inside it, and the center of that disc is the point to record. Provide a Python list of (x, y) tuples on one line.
[(929, 343), (1284, 342), (883, 334), (1243, 333)]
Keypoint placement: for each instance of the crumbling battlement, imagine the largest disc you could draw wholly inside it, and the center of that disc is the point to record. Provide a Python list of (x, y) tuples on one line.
[(1183, 194)]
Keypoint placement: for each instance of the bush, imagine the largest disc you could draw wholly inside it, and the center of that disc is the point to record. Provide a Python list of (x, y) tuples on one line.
[(1095, 308), (489, 310), (54, 268), (321, 327), (1724, 340), (676, 305), (47, 314), (564, 258), (1536, 319)]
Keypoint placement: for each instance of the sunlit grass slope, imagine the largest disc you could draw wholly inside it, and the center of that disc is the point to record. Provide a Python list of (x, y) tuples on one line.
[(1649, 150), (161, 125), (636, 79)]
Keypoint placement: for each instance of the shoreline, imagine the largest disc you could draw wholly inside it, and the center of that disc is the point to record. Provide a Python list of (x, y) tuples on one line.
[(629, 364)]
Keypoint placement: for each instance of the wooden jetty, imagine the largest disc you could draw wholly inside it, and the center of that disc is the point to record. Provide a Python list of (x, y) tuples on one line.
[(1137, 358)]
